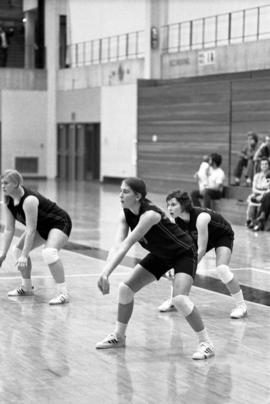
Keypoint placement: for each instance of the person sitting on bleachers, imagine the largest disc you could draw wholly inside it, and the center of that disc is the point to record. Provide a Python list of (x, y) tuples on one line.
[(262, 152), (215, 183), (246, 160), (260, 186), (202, 174)]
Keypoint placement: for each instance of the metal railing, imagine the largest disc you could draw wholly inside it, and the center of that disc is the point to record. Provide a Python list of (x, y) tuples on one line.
[(118, 47), (251, 24)]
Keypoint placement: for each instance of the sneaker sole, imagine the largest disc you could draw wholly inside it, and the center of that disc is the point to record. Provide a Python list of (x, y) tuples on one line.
[(116, 346), (205, 357), (167, 310), (59, 304), (239, 318)]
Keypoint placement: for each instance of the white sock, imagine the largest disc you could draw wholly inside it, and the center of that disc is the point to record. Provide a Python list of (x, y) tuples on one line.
[(203, 336), (120, 329), (239, 298), (27, 284), (62, 288)]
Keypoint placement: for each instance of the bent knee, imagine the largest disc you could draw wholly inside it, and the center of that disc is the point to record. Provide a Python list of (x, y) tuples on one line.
[(183, 304), (126, 295), (50, 255), (224, 273)]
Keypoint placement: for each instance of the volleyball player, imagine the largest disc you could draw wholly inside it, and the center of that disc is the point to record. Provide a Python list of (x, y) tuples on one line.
[(45, 223), (168, 247), (209, 230)]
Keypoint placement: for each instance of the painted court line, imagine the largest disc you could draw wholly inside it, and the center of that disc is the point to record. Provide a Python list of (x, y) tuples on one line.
[(8, 278)]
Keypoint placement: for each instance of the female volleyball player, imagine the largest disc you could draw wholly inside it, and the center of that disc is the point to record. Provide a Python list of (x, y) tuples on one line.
[(209, 230), (45, 223), (168, 247)]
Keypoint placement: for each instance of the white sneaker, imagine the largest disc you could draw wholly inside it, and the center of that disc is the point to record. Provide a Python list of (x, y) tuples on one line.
[(239, 311), (111, 341), (204, 351), (21, 292), (59, 299), (167, 306)]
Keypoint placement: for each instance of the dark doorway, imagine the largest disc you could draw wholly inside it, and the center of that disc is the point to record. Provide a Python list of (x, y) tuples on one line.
[(78, 151)]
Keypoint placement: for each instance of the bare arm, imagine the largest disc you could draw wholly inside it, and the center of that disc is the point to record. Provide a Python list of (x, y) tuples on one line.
[(30, 207), (117, 253), (202, 227), (8, 233), (257, 154)]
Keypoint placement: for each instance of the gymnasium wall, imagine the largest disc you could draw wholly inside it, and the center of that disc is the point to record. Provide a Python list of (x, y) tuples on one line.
[(24, 128), (118, 131), (78, 106), (181, 120), (221, 60)]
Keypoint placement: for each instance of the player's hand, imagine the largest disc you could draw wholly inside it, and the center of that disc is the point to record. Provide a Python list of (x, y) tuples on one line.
[(22, 263), (104, 284)]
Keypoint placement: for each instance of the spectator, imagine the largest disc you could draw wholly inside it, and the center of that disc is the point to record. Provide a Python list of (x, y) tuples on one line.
[(202, 174), (215, 183), (262, 152), (246, 160), (260, 186), (3, 48)]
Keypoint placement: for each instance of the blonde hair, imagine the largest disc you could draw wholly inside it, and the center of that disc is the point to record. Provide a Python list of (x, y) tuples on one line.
[(14, 176)]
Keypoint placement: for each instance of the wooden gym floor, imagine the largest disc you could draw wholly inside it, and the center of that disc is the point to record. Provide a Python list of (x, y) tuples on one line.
[(48, 355)]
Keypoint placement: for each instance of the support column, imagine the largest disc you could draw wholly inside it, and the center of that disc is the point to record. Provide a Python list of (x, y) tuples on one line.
[(156, 17), (52, 63)]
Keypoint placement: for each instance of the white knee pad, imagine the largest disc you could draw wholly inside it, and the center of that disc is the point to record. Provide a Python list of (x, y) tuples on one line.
[(16, 253), (183, 304), (50, 255), (224, 273), (126, 295)]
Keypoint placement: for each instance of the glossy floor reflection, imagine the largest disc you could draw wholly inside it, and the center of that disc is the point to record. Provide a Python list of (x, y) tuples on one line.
[(48, 353)]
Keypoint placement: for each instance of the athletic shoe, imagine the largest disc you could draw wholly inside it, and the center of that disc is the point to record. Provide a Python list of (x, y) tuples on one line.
[(204, 351), (239, 311), (111, 341), (59, 299), (21, 292), (167, 306)]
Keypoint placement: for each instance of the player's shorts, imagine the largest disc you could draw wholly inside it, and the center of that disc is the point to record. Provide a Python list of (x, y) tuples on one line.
[(186, 262), (222, 241), (64, 224)]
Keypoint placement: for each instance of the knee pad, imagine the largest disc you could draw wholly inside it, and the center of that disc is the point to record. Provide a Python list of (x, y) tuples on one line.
[(126, 295), (50, 255), (16, 253), (183, 304), (224, 273)]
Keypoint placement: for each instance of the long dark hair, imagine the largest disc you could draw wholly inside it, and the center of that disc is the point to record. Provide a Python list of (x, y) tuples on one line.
[(182, 197)]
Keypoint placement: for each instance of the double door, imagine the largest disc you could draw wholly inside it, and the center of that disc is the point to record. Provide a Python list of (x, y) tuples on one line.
[(78, 151)]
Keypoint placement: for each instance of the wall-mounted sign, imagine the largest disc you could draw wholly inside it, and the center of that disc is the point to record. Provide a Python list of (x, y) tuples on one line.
[(207, 57), (179, 62)]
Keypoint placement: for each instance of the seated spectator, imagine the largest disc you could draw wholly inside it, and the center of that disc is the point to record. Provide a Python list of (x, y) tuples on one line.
[(260, 186), (262, 152), (246, 160), (202, 174), (215, 183)]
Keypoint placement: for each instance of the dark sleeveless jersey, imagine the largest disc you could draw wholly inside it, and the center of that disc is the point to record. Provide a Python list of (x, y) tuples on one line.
[(165, 239), (50, 215), (217, 227)]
